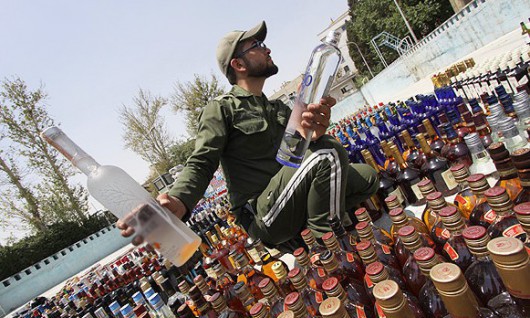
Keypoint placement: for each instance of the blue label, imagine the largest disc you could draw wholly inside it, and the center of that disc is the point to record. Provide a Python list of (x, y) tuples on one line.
[(308, 79)]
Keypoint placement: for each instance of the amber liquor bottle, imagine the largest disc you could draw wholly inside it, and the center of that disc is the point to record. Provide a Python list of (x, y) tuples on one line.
[(347, 240), (225, 285), (392, 302), (369, 256), (430, 300), (348, 260), (411, 270), (459, 299), (274, 299), (315, 249), (436, 168), (400, 220), (219, 305), (455, 249), (377, 272), (465, 199), (284, 285), (439, 233), (294, 302), (521, 161), (508, 177), (412, 153), (311, 298), (408, 178), (250, 276), (311, 271), (380, 234), (513, 265), (522, 212), (203, 308), (384, 252), (482, 214), (333, 288), (260, 310), (505, 223)]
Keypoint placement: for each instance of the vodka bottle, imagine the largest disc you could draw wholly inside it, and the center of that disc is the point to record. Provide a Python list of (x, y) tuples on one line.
[(129, 201), (316, 84)]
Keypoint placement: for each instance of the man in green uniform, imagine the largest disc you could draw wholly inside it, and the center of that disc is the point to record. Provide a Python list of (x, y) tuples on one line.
[(242, 130)]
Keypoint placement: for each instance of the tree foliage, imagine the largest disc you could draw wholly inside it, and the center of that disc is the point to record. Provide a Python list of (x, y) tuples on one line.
[(34, 184), (145, 130), (192, 96), (181, 151), (371, 17)]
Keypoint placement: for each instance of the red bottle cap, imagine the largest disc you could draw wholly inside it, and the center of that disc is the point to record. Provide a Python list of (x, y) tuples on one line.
[(494, 192), (330, 283), (474, 232), (264, 282), (306, 232), (291, 298), (360, 211), (374, 268), (475, 177), (363, 245), (327, 236), (406, 230), (448, 211), (424, 182), (299, 251), (293, 272), (434, 196), (424, 254), (457, 167), (395, 212), (256, 308), (361, 225), (522, 209), (391, 198)]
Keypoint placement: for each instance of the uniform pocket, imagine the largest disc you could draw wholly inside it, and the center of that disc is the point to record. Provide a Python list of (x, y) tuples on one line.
[(251, 124)]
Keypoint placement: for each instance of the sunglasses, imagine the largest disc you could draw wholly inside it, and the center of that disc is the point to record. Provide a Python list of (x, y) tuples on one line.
[(257, 44)]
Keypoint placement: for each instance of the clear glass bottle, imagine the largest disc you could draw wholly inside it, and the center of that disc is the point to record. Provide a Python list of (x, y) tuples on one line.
[(316, 84), (482, 162), (129, 201), (521, 104), (512, 139), (458, 298)]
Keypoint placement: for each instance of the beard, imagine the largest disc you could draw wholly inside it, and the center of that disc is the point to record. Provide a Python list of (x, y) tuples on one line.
[(260, 70)]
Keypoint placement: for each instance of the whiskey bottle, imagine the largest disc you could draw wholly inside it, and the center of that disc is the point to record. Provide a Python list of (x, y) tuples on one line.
[(430, 300), (505, 223), (455, 249), (482, 214), (311, 297), (380, 234), (284, 285), (274, 299), (350, 301), (311, 271), (465, 199), (508, 178), (392, 302), (334, 308), (348, 260)]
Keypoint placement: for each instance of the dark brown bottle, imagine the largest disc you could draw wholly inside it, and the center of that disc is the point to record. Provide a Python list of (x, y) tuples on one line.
[(455, 249), (348, 260), (439, 233), (521, 161), (506, 223), (455, 150), (436, 168), (412, 153), (351, 301), (315, 280), (260, 310), (513, 265), (380, 234), (311, 298), (408, 177), (482, 214), (458, 298), (411, 270), (507, 171), (315, 249), (393, 303), (430, 300)]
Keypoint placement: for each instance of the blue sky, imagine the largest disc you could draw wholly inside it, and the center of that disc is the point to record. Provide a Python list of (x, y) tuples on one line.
[(93, 56)]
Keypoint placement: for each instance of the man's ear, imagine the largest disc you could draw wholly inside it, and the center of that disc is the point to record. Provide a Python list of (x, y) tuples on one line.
[(238, 64)]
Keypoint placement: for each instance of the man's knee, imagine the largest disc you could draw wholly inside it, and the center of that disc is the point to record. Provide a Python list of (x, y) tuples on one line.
[(369, 176)]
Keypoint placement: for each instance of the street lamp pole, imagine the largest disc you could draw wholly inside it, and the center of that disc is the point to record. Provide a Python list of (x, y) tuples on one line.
[(362, 56), (406, 22)]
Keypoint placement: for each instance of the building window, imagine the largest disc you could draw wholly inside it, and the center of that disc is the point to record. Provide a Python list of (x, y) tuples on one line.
[(346, 69)]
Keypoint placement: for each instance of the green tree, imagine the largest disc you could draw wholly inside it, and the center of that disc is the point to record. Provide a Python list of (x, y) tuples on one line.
[(371, 17), (35, 186), (181, 151), (192, 96), (145, 131)]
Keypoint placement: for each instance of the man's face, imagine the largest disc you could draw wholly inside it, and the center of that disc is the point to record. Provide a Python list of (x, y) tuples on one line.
[(258, 60)]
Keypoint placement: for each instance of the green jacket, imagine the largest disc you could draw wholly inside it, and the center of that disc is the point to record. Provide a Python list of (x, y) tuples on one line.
[(242, 132)]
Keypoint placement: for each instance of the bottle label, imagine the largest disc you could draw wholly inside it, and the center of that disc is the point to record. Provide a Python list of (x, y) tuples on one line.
[(507, 87), (315, 258), (360, 311), (460, 200), (513, 231), (254, 254), (380, 312), (319, 297), (350, 257), (514, 83), (368, 281), (386, 249), (453, 255), (490, 216), (449, 179), (445, 234), (416, 189), (399, 195), (321, 273)]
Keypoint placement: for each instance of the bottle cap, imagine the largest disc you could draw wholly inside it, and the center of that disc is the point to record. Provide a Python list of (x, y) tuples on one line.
[(427, 259), (155, 299), (218, 302), (363, 215), (410, 238), (241, 290), (367, 252), (476, 239), (258, 310), (184, 287), (392, 202), (279, 270), (451, 218), (522, 212), (497, 151), (126, 310), (448, 278), (377, 272), (478, 183), (426, 187), (507, 252), (364, 230), (332, 308), (294, 302), (297, 278), (398, 216), (184, 311), (521, 158), (460, 171), (301, 256), (308, 237), (286, 314), (329, 261), (436, 201), (267, 287), (498, 199), (331, 241), (389, 296)]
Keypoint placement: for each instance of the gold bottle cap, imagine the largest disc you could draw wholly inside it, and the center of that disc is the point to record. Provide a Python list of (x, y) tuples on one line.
[(285, 314), (397, 155), (428, 127), (362, 215), (377, 272), (426, 187), (294, 302), (478, 183), (451, 218), (332, 288), (389, 296), (410, 238), (507, 251), (301, 256), (522, 212), (476, 238), (425, 147), (448, 278), (364, 229), (329, 261), (331, 241), (367, 252), (407, 138), (279, 270), (392, 202), (267, 287), (499, 200), (332, 308), (436, 201), (460, 172), (308, 237), (297, 278), (426, 259)]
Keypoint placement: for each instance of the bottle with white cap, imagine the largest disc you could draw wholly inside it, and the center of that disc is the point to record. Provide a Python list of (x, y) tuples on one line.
[(128, 200), (316, 84)]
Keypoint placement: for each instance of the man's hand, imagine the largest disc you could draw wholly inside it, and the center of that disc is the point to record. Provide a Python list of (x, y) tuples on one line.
[(317, 116), (171, 203)]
